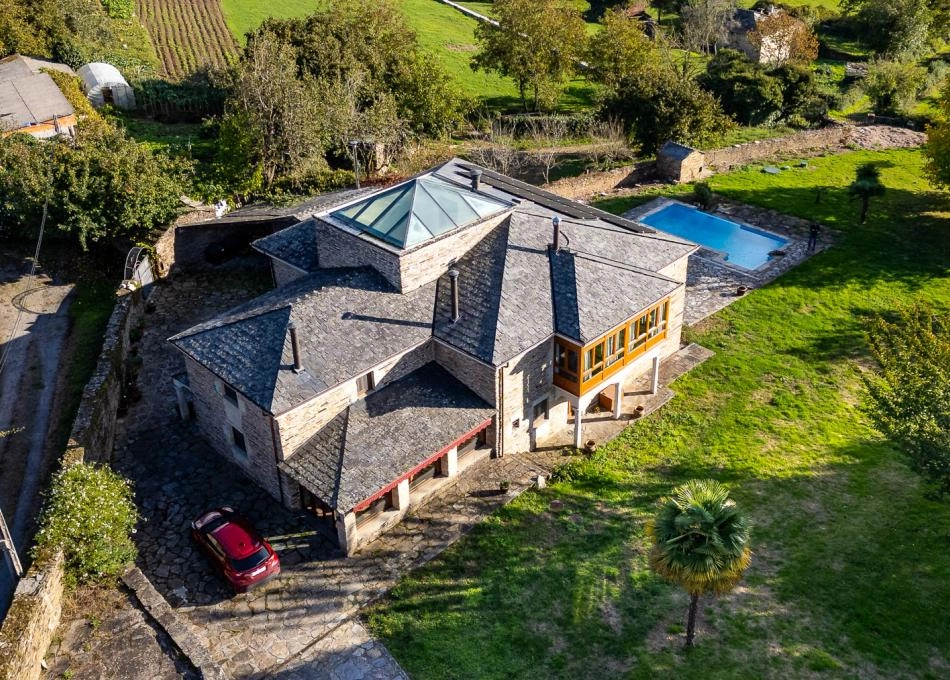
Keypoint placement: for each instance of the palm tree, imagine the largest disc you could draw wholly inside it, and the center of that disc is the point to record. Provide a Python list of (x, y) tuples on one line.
[(700, 542), (867, 183)]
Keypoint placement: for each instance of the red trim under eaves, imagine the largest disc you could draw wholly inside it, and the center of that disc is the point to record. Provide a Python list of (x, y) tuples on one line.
[(428, 461)]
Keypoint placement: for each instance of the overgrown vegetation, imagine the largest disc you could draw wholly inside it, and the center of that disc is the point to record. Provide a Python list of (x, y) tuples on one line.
[(89, 515)]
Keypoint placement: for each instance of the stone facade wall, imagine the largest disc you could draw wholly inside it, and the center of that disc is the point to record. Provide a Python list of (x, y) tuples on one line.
[(182, 246), (478, 377), (32, 620), (591, 184), (216, 415), (94, 427), (526, 380), (298, 425), (681, 170), (742, 154), (284, 273), (337, 248), (423, 265)]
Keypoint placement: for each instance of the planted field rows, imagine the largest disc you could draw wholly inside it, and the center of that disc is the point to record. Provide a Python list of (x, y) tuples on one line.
[(187, 34)]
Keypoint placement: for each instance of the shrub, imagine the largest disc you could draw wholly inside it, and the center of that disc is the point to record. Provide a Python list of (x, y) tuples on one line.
[(703, 195), (89, 515)]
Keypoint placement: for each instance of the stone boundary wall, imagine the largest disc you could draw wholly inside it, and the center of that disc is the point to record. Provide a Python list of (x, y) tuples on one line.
[(730, 157), (593, 183), (94, 428), (37, 603), (33, 617)]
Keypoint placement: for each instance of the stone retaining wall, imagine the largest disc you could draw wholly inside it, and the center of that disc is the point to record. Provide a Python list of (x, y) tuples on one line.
[(37, 604), (94, 427), (591, 184), (722, 160), (31, 621)]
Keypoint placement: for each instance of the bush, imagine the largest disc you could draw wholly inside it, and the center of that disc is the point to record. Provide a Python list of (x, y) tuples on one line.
[(893, 86), (119, 9), (89, 515), (703, 195)]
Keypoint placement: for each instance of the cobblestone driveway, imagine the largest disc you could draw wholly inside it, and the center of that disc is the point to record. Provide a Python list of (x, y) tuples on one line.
[(300, 625)]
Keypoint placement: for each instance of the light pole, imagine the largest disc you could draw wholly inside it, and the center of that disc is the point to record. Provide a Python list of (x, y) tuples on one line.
[(354, 145)]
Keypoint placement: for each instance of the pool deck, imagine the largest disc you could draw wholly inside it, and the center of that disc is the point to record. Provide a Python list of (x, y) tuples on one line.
[(711, 285)]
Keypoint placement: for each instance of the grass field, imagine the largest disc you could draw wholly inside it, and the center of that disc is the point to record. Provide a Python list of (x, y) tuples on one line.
[(442, 31), (850, 575)]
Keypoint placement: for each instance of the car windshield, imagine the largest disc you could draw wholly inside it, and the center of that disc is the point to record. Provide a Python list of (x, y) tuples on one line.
[(250, 561)]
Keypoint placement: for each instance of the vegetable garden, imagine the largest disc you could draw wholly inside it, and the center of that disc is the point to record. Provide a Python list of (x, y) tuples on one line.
[(187, 34)]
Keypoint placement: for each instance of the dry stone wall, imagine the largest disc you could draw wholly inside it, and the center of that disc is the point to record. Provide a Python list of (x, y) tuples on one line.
[(31, 621), (831, 137)]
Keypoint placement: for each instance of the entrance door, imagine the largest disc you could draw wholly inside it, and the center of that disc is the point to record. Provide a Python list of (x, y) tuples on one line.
[(323, 512)]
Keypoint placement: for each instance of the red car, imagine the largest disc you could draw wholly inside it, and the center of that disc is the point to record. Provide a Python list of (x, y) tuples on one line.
[(237, 550)]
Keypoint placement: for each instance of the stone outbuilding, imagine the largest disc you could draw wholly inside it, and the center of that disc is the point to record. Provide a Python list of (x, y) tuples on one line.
[(423, 328), (680, 163), (103, 84)]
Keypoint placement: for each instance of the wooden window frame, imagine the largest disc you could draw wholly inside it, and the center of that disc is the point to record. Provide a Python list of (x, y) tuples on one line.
[(365, 384)]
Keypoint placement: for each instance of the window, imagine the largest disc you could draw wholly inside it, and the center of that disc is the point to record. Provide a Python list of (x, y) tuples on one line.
[(650, 325), (365, 384), (231, 394), (565, 361), (374, 509), (470, 445), (238, 440)]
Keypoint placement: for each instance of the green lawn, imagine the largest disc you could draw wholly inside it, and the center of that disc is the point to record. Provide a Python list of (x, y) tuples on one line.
[(851, 576), (444, 31)]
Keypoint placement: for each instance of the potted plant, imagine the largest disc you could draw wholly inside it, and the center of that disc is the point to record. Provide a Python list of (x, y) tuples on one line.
[(742, 290), (590, 446), (638, 411), (504, 485)]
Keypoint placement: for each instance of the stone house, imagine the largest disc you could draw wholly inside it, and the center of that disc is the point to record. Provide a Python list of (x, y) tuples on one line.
[(423, 328), (775, 48)]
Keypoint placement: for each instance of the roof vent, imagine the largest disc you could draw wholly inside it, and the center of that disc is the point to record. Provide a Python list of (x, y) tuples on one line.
[(454, 282), (556, 242), (295, 346), (476, 178)]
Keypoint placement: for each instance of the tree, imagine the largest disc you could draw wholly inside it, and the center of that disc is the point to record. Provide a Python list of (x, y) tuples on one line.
[(618, 50), (866, 185), (703, 23), (369, 42), (804, 101), (700, 541), (893, 86), (909, 400), (537, 43), (102, 184), (278, 108), (937, 148), (668, 6), (786, 38), (745, 90), (896, 28), (547, 134), (660, 104)]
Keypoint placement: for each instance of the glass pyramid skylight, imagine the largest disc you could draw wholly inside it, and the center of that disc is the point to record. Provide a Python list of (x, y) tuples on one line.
[(416, 211)]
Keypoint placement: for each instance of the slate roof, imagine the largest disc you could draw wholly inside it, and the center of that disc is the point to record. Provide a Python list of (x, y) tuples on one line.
[(385, 435), (676, 151), (356, 309), (31, 99), (514, 293)]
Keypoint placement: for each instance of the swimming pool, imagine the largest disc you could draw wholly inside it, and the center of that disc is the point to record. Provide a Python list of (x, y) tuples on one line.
[(741, 246)]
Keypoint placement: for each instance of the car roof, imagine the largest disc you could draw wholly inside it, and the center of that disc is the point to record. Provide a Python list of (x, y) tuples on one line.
[(237, 538)]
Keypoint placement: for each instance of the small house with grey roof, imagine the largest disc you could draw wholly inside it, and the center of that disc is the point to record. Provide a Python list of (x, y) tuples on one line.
[(417, 330)]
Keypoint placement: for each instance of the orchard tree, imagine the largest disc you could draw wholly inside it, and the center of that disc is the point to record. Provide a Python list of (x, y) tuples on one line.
[(703, 23), (893, 86), (937, 148), (909, 400), (537, 43)]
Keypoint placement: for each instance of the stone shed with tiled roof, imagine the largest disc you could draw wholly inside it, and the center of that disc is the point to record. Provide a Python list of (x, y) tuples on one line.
[(421, 328)]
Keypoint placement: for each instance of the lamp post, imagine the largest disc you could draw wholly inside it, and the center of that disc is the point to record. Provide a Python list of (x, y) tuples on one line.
[(354, 145)]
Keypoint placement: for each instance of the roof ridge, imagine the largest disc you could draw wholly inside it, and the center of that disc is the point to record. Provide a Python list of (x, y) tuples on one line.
[(619, 265), (209, 326)]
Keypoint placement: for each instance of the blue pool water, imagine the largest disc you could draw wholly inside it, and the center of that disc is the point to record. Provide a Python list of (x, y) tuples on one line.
[(742, 246)]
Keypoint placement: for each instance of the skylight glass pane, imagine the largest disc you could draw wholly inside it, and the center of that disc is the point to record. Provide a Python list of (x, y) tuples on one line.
[(452, 202), (417, 232), (397, 233), (431, 215), (375, 207), (397, 212), (483, 206)]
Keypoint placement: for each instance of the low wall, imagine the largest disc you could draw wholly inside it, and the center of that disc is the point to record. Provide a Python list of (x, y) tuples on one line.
[(725, 159), (37, 604), (31, 621), (591, 184), (94, 428)]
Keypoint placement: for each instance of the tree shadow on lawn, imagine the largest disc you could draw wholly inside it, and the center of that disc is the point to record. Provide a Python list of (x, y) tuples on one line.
[(852, 551), (906, 239)]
